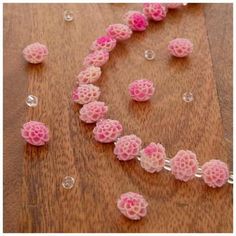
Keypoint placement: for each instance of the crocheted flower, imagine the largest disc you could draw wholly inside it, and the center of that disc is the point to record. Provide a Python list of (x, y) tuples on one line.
[(180, 47), (119, 32), (127, 147), (154, 11), (35, 53), (184, 165), (93, 111), (136, 20), (215, 173), (35, 133), (86, 93), (132, 205), (141, 90), (173, 5), (96, 58), (152, 157), (105, 43), (88, 76), (107, 131)]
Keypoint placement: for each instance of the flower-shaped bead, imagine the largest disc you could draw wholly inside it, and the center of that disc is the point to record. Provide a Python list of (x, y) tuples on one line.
[(107, 130), (35, 133), (132, 205), (88, 76), (141, 90), (215, 173), (93, 111), (35, 53), (119, 31), (136, 20), (96, 58), (127, 147), (152, 157), (103, 43), (154, 11), (184, 165), (86, 93), (180, 47), (173, 5)]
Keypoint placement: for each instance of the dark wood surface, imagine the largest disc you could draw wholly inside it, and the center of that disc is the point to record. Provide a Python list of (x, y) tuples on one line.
[(34, 200)]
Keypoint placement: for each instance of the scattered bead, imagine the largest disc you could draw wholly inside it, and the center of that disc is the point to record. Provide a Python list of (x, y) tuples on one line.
[(149, 55), (35, 133), (68, 182), (86, 93), (154, 11), (132, 205), (88, 76), (96, 58), (152, 157), (231, 178), (199, 173), (107, 131), (136, 20), (184, 165), (68, 15), (187, 97), (185, 4), (215, 173), (103, 43), (127, 147), (35, 53), (31, 101), (141, 90), (180, 47), (119, 31), (93, 111), (173, 5)]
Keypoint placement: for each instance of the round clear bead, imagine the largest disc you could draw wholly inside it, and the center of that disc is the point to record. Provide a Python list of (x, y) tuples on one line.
[(231, 178), (187, 97), (185, 4), (167, 165), (31, 101), (199, 172), (68, 15), (149, 55), (68, 182)]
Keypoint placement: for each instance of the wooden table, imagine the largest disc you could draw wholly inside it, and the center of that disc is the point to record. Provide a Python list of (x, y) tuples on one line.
[(34, 200)]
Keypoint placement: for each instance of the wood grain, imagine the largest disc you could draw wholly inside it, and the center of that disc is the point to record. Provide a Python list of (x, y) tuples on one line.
[(34, 200)]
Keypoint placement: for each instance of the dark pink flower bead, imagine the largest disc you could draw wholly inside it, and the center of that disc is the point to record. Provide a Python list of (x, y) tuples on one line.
[(35, 133), (136, 20), (154, 11), (119, 32), (215, 173), (180, 47), (96, 58), (132, 205), (103, 43), (89, 75)]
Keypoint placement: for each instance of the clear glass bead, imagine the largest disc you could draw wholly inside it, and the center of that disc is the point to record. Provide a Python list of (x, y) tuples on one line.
[(231, 178), (31, 101), (199, 172), (68, 15), (167, 165), (68, 182), (149, 54), (185, 4), (187, 97)]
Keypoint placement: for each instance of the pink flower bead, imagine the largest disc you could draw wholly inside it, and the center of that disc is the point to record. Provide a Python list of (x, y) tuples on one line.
[(35, 133), (93, 111), (88, 76), (215, 173), (141, 90), (136, 20), (180, 47), (103, 43), (86, 93), (173, 5), (96, 58), (35, 53), (119, 32), (127, 147), (132, 205), (152, 157), (184, 165), (154, 11), (107, 131)]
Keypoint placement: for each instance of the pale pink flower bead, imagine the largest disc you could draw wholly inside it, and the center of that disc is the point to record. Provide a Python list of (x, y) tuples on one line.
[(215, 173), (89, 75), (180, 47), (107, 131), (152, 157), (173, 5), (184, 165), (103, 43), (93, 111), (35, 53), (127, 147), (136, 20), (86, 93), (141, 90), (35, 133), (154, 11), (132, 205), (119, 31), (96, 58)]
